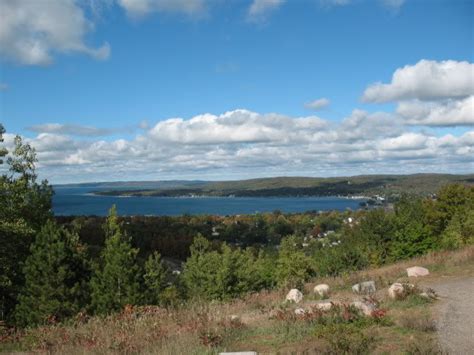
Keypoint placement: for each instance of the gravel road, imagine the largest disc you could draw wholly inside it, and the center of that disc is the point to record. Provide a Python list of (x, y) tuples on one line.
[(455, 315)]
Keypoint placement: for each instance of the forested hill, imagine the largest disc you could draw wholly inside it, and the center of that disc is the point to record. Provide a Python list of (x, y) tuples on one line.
[(367, 185)]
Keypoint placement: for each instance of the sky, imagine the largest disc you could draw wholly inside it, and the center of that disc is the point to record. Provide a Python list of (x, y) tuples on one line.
[(110, 90)]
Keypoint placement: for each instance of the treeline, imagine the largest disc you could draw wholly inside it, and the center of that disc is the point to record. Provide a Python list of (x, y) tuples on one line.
[(173, 236), (53, 271)]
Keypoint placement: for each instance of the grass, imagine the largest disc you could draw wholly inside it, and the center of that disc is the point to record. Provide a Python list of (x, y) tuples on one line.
[(264, 323)]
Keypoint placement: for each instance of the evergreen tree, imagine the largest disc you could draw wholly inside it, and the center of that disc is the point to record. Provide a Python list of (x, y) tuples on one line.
[(293, 266), (154, 278), (56, 277), (25, 207), (411, 235), (115, 282), (200, 270)]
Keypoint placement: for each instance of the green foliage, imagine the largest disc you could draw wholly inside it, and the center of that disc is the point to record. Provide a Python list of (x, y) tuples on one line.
[(154, 279), (459, 232), (455, 199), (56, 278), (411, 236), (115, 282), (336, 260), (293, 266), (374, 235), (224, 273), (24, 209)]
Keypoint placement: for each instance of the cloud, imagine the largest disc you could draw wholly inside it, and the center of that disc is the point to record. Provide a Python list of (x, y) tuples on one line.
[(317, 104), (445, 113), (3, 86), (140, 8), (426, 80), (79, 130), (259, 9), (239, 126), (329, 3), (32, 31), (242, 143), (394, 5)]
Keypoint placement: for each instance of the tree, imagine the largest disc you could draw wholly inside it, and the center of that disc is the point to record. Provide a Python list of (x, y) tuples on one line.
[(374, 235), (200, 270), (115, 282), (411, 236), (56, 277), (293, 267), (459, 232), (154, 278), (25, 207), (454, 199)]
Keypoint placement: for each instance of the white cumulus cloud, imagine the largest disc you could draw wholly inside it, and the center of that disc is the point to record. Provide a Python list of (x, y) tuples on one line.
[(445, 113), (32, 31), (259, 9), (138, 8), (426, 80), (243, 143), (317, 104)]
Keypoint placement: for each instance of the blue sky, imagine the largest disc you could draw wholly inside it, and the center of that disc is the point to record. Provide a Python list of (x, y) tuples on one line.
[(125, 71)]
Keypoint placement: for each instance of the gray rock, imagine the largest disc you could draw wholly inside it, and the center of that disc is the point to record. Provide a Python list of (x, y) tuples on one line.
[(322, 290), (364, 307), (417, 271), (299, 311), (365, 287), (294, 296)]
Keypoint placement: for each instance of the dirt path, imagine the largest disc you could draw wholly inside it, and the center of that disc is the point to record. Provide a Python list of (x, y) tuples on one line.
[(455, 315)]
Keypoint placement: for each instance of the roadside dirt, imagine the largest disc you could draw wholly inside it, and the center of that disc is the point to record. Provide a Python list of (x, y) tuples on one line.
[(454, 314)]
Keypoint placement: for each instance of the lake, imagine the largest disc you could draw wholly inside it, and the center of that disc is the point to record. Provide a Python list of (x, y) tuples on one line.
[(80, 201)]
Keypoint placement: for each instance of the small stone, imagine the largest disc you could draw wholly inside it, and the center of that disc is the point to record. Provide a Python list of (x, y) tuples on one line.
[(294, 296), (366, 308), (396, 291), (417, 271), (234, 318), (365, 287), (324, 306), (322, 290), (299, 311)]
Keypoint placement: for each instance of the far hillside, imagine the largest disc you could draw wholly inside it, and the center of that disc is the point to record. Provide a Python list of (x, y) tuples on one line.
[(368, 185)]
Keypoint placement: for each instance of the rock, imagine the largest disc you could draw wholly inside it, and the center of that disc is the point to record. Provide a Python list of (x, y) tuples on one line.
[(322, 290), (324, 306), (364, 307), (299, 311), (396, 291), (234, 318), (294, 296), (240, 353), (425, 295), (416, 271), (364, 287)]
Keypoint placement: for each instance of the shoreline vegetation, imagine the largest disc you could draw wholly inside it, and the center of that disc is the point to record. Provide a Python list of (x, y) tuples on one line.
[(386, 187)]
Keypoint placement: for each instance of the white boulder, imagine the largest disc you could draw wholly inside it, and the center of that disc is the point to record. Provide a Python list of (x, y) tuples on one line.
[(416, 271), (324, 306), (396, 291), (364, 307), (322, 290), (364, 287), (294, 295), (299, 311)]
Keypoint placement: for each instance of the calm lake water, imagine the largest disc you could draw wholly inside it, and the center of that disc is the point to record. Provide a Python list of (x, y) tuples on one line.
[(80, 201)]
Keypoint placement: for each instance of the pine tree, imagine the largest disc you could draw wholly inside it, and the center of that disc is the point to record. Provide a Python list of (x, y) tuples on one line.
[(56, 277), (115, 282), (154, 278), (24, 208), (293, 266)]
